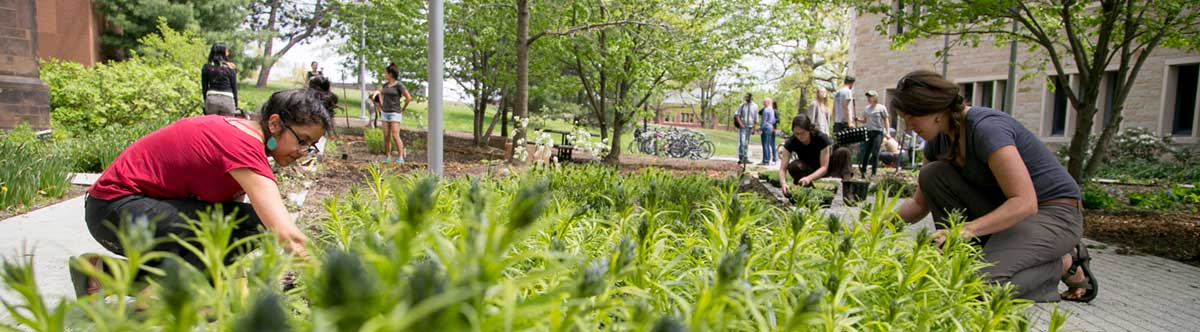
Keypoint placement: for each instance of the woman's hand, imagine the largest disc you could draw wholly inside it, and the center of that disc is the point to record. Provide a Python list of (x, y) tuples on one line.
[(940, 236), (292, 239), (804, 181), (268, 205)]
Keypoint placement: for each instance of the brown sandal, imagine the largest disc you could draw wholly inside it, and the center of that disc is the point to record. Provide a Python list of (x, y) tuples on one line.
[(1081, 259)]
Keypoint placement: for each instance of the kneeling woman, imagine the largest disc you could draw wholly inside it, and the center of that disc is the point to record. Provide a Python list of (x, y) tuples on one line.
[(199, 163), (1019, 202), (806, 155)]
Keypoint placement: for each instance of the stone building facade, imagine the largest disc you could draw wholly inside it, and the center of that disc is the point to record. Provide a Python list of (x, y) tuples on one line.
[(23, 97), (1164, 97)]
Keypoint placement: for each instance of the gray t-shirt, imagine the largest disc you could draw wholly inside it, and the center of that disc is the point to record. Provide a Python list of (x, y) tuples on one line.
[(988, 130), (875, 115), (747, 112), (839, 100), (393, 98)]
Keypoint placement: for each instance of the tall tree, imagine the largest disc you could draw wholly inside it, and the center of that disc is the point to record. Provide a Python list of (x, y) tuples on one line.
[(130, 20), (480, 35), (653, 42), (1088, 36), (384, 32), (292, 22)]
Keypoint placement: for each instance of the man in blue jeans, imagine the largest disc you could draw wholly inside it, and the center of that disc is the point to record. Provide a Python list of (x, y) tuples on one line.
[(768, 118), (877, 122), (743, 119)]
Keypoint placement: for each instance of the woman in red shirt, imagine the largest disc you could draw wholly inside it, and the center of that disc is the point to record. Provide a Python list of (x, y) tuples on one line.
[(208, 162)]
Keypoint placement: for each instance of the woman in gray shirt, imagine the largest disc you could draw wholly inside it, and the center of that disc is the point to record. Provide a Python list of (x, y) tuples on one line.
[(1019, 203)]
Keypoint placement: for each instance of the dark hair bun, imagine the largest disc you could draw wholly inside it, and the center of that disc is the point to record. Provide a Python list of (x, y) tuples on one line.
[(319, 83)]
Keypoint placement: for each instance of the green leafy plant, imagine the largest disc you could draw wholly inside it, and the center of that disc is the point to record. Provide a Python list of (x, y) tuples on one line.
[(30, 169), (374, 139), (1095, 198), (557, 249)]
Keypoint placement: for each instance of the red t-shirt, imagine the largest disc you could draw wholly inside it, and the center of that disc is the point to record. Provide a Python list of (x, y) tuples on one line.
[(188, 159)]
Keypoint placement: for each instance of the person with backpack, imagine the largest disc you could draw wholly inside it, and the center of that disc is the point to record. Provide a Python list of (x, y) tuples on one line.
[(218, 82), (743, 120), (768, 119)]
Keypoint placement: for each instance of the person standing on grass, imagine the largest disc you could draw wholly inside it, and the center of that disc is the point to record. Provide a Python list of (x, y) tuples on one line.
[(314, 72), (392, 110), (806, 155), (768, 119), (843, 107), (877, 125), (819, 111), (218, 82), (202, 164), (743, 120), (1018, 201)]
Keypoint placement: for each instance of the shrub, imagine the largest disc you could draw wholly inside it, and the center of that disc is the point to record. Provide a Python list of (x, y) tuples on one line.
[(135, 91), (374, 139), (1095, 198)]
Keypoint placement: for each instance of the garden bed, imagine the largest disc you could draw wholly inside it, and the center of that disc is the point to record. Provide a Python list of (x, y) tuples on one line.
[(1170, 235)]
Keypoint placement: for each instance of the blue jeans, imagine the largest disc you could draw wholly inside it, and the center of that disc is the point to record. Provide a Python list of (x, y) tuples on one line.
[(744, 142), (768, 145), (868, 153)]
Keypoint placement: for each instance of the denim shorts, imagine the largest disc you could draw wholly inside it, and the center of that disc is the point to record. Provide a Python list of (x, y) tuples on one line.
[(392, 116)]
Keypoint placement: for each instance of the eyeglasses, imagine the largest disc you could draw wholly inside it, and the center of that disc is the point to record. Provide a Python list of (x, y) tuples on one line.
[(312, 148), (906, 82)]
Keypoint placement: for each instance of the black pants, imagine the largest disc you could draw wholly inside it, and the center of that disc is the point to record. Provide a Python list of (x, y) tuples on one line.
[(798, 169), (868, 155), (105, 217), (839, 127), (1028, 254)]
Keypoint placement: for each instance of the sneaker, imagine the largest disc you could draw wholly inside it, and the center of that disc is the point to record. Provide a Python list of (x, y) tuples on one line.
[(399, 160), (387, 160)]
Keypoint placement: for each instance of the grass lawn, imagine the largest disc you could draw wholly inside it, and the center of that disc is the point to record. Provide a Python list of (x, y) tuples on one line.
[(458, 117)]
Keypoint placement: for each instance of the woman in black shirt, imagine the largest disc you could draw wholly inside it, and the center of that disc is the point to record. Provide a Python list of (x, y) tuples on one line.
[(807, 153), (218, 82)]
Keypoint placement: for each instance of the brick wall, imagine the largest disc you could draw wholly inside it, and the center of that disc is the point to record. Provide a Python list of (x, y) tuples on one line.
[(23, 97)]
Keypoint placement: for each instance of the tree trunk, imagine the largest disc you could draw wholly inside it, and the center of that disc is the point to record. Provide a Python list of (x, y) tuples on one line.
[(264, 73), (522, 96), (1080, 139), (614, 153)]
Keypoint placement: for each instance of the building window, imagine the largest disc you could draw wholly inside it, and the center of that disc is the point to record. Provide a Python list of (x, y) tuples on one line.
[(983, 93), (968, 92), (899, 26), (1183, 114), (1058, 122)]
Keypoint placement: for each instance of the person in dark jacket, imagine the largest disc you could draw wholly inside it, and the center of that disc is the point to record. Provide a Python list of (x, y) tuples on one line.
[(218, 82)]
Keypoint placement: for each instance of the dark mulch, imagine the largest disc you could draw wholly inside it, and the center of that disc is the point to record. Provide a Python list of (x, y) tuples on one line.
[(1174, 235)]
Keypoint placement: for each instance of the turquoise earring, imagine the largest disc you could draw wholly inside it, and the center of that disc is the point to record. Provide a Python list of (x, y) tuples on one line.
[(272, 144)]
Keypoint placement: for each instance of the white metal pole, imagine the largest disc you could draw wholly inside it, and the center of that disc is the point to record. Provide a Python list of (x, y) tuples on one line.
[(436, 30)]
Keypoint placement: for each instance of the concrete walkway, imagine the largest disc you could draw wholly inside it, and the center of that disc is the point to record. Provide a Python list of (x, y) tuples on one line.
[(50, 235)]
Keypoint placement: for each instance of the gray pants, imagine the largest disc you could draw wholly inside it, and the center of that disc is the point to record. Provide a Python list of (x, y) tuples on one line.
[(219, 104), (1029, 254)]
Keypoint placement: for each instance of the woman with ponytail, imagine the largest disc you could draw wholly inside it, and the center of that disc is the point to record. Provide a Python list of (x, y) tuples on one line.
[(1019, 203), (207, 163), (392, 110), (218, 82)]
